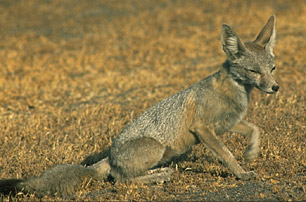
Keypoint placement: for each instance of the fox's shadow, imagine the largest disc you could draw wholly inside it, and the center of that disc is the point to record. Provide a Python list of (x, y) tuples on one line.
[(95, 157)]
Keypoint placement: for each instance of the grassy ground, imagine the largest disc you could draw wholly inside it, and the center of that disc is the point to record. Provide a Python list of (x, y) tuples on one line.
[(73, 74)]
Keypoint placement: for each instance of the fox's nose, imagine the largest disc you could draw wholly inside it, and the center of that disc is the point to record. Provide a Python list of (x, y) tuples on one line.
[(275, 88)]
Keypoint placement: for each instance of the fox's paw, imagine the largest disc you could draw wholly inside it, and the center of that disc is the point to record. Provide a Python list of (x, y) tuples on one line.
[(246, 175), (159, 175)]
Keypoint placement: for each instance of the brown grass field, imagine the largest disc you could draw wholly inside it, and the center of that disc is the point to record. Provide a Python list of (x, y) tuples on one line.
[(73, 74)]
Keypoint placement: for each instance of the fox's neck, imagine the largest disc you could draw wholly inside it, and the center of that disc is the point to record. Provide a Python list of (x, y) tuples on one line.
[(227, 73), (226, 84)]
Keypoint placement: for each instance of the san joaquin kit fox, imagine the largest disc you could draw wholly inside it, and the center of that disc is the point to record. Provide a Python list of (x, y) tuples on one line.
[(198, 114)]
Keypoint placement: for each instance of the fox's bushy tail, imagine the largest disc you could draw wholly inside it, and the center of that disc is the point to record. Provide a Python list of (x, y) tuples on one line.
[(61, 180)]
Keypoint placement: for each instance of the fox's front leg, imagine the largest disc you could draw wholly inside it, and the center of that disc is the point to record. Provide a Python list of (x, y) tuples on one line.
[(248, 129), (207, 135)]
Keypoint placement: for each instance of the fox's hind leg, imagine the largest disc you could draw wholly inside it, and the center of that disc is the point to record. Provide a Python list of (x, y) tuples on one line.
[(132, 160), (248, 129)]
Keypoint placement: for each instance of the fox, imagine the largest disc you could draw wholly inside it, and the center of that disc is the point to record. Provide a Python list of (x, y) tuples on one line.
[(198, 114)]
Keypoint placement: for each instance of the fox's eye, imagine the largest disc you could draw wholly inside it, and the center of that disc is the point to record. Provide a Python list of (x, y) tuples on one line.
[(254, 71), (273, 68)]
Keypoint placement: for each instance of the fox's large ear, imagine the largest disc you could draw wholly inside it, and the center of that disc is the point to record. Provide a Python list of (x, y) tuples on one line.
[(231, 43), (266, 36)]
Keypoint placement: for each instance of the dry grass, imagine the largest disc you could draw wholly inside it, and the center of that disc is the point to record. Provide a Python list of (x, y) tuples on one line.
[(74, 73)]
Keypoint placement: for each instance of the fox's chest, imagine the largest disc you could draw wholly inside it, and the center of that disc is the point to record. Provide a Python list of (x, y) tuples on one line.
[(223, 104), (229, 111)]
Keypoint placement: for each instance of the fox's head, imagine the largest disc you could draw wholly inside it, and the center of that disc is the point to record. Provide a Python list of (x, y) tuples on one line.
[(251, 63)]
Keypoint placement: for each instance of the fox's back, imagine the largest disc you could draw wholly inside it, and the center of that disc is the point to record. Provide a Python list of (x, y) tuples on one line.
[(162, 121), (173, 117)]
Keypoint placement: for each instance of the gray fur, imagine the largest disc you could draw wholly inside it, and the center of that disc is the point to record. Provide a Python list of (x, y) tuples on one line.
[(200, 113)]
